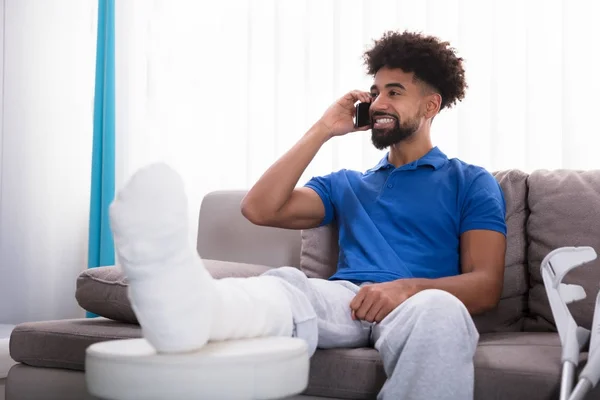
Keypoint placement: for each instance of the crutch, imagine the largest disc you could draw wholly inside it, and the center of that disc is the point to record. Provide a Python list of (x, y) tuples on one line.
[(572, 337), (589, 376)]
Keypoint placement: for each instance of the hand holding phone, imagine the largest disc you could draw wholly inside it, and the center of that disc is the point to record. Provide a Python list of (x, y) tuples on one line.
[(339, 118)]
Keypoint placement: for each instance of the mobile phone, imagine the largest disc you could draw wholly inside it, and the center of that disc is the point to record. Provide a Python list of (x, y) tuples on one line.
[(362, 117)]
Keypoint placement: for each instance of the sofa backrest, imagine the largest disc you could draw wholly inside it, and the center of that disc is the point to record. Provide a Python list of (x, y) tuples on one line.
[(545, 210), (564, 211), (224, 234)]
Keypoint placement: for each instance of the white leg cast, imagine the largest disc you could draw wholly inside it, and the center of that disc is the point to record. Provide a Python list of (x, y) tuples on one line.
[(554, 268), (178, 304), (250, 307)]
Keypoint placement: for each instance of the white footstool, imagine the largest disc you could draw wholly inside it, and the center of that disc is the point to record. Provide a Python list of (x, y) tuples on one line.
[(261, 368)]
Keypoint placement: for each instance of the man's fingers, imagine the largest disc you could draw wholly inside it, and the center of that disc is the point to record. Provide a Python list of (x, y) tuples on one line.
[(366, 306), (357, 300), (365, 97), (373, 312), (357, 95), (383, 312)]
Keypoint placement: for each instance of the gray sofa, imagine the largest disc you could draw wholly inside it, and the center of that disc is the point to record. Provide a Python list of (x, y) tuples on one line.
[(519, 352)]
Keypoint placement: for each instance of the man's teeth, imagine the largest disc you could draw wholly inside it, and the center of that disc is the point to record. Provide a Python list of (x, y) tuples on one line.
[(384, 120)]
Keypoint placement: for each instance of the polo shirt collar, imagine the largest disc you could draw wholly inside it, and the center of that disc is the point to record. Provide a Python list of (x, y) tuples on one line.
[(434, 158)]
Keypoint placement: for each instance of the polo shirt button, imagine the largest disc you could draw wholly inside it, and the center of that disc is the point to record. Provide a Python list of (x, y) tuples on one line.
[(390, 185)]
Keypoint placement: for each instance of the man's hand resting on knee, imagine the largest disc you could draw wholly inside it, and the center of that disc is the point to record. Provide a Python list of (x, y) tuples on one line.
[(375, 301)]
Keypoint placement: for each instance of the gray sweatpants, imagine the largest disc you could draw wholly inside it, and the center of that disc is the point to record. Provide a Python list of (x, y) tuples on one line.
[(426, 344)]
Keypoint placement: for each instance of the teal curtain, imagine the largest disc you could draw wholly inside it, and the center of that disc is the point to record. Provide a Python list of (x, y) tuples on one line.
[(101, 247)]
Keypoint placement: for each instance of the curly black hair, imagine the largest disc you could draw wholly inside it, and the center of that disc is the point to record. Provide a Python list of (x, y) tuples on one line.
[(432, 61)]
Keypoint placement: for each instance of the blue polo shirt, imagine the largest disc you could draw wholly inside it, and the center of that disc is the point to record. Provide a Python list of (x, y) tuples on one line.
[(406, 222)]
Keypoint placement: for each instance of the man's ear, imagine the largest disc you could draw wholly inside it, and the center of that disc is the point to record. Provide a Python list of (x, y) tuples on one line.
[(433, 105)]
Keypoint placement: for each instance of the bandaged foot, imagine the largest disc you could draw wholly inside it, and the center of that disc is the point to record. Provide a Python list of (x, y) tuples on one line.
[(177, 303)]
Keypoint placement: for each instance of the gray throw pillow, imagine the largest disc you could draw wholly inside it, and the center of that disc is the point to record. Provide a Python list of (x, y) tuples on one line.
[(319, 251)]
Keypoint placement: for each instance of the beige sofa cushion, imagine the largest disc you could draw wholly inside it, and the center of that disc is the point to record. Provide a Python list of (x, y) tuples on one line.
[(516, 365), (319, 256), (565, 211), (103, 290), (62, 343)]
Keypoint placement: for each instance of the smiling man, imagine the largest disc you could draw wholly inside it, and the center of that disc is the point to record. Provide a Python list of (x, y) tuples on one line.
[(421, 237)]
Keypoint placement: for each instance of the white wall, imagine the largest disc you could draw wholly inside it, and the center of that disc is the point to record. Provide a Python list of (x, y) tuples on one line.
[(49, 56)]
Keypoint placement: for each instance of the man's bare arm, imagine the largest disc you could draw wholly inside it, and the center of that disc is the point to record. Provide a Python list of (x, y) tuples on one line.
[(274, 200), (482, 261), (478, 287)]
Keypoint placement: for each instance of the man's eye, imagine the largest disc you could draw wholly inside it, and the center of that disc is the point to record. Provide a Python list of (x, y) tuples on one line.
[(393, 93), (373, 95)]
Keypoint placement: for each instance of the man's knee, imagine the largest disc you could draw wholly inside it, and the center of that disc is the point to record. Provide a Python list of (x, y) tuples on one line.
[(291, 275), (438, 305), (436, 314)]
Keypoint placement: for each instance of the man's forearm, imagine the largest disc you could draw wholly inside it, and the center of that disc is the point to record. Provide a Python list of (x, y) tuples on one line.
[(275, 186), (477, 290)]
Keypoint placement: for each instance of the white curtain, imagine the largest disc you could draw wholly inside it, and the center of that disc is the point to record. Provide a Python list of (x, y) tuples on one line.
[(46, 137), (221, 89)]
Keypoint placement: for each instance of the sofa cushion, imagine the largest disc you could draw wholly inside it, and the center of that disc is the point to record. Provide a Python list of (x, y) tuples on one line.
[(512, 365), (103, 290), (320, 248), (62, 343), (565, 211), (520, 365), (346, 373)]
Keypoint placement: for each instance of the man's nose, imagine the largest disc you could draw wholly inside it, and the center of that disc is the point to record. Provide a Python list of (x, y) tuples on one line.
[(377, 104)]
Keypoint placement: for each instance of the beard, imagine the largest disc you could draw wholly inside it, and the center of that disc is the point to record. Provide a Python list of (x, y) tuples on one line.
[(384, 138)]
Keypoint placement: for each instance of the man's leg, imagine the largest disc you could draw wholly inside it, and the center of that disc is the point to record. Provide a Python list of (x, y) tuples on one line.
[(427, 345), (178, 304), (330, 324)]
